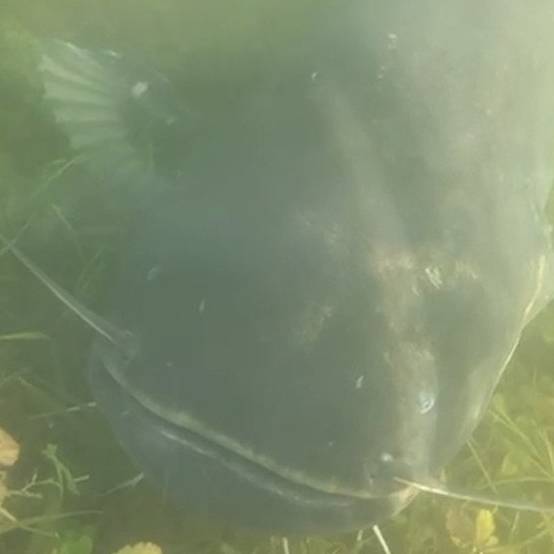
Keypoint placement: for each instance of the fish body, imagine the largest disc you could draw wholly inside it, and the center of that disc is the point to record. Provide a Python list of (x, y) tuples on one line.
[(326, 293)]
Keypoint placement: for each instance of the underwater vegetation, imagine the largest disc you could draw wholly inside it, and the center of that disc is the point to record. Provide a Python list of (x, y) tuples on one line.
[(67, 486)]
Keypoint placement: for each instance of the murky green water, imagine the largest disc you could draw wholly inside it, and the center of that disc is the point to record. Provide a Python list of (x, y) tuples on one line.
[(72, 489)]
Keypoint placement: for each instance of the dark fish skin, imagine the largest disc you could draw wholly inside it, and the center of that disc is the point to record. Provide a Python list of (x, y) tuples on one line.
[(327, 298)]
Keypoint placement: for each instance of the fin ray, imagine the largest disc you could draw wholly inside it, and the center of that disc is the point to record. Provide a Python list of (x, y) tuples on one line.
[(87, 97)]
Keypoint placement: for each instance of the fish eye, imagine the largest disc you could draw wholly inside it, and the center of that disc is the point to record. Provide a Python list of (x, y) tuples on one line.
[(426, 401)]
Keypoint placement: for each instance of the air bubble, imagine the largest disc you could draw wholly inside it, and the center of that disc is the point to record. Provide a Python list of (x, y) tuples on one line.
[(387, 457), (139, 88), (153, 273)]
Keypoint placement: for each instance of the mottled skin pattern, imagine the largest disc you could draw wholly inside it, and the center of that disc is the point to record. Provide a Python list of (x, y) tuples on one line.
[(327, 296)]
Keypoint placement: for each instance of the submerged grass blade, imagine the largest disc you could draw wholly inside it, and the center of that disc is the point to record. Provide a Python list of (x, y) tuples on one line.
[(381, 539), (65, 411), (473, 449), (24, 336), (29, 523)]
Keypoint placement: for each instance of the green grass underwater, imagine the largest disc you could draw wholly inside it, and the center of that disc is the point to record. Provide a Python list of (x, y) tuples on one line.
[(65, 486)]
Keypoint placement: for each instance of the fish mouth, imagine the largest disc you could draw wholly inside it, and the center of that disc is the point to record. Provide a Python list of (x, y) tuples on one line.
[(244, 468), (159, 445), (277, 482)]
